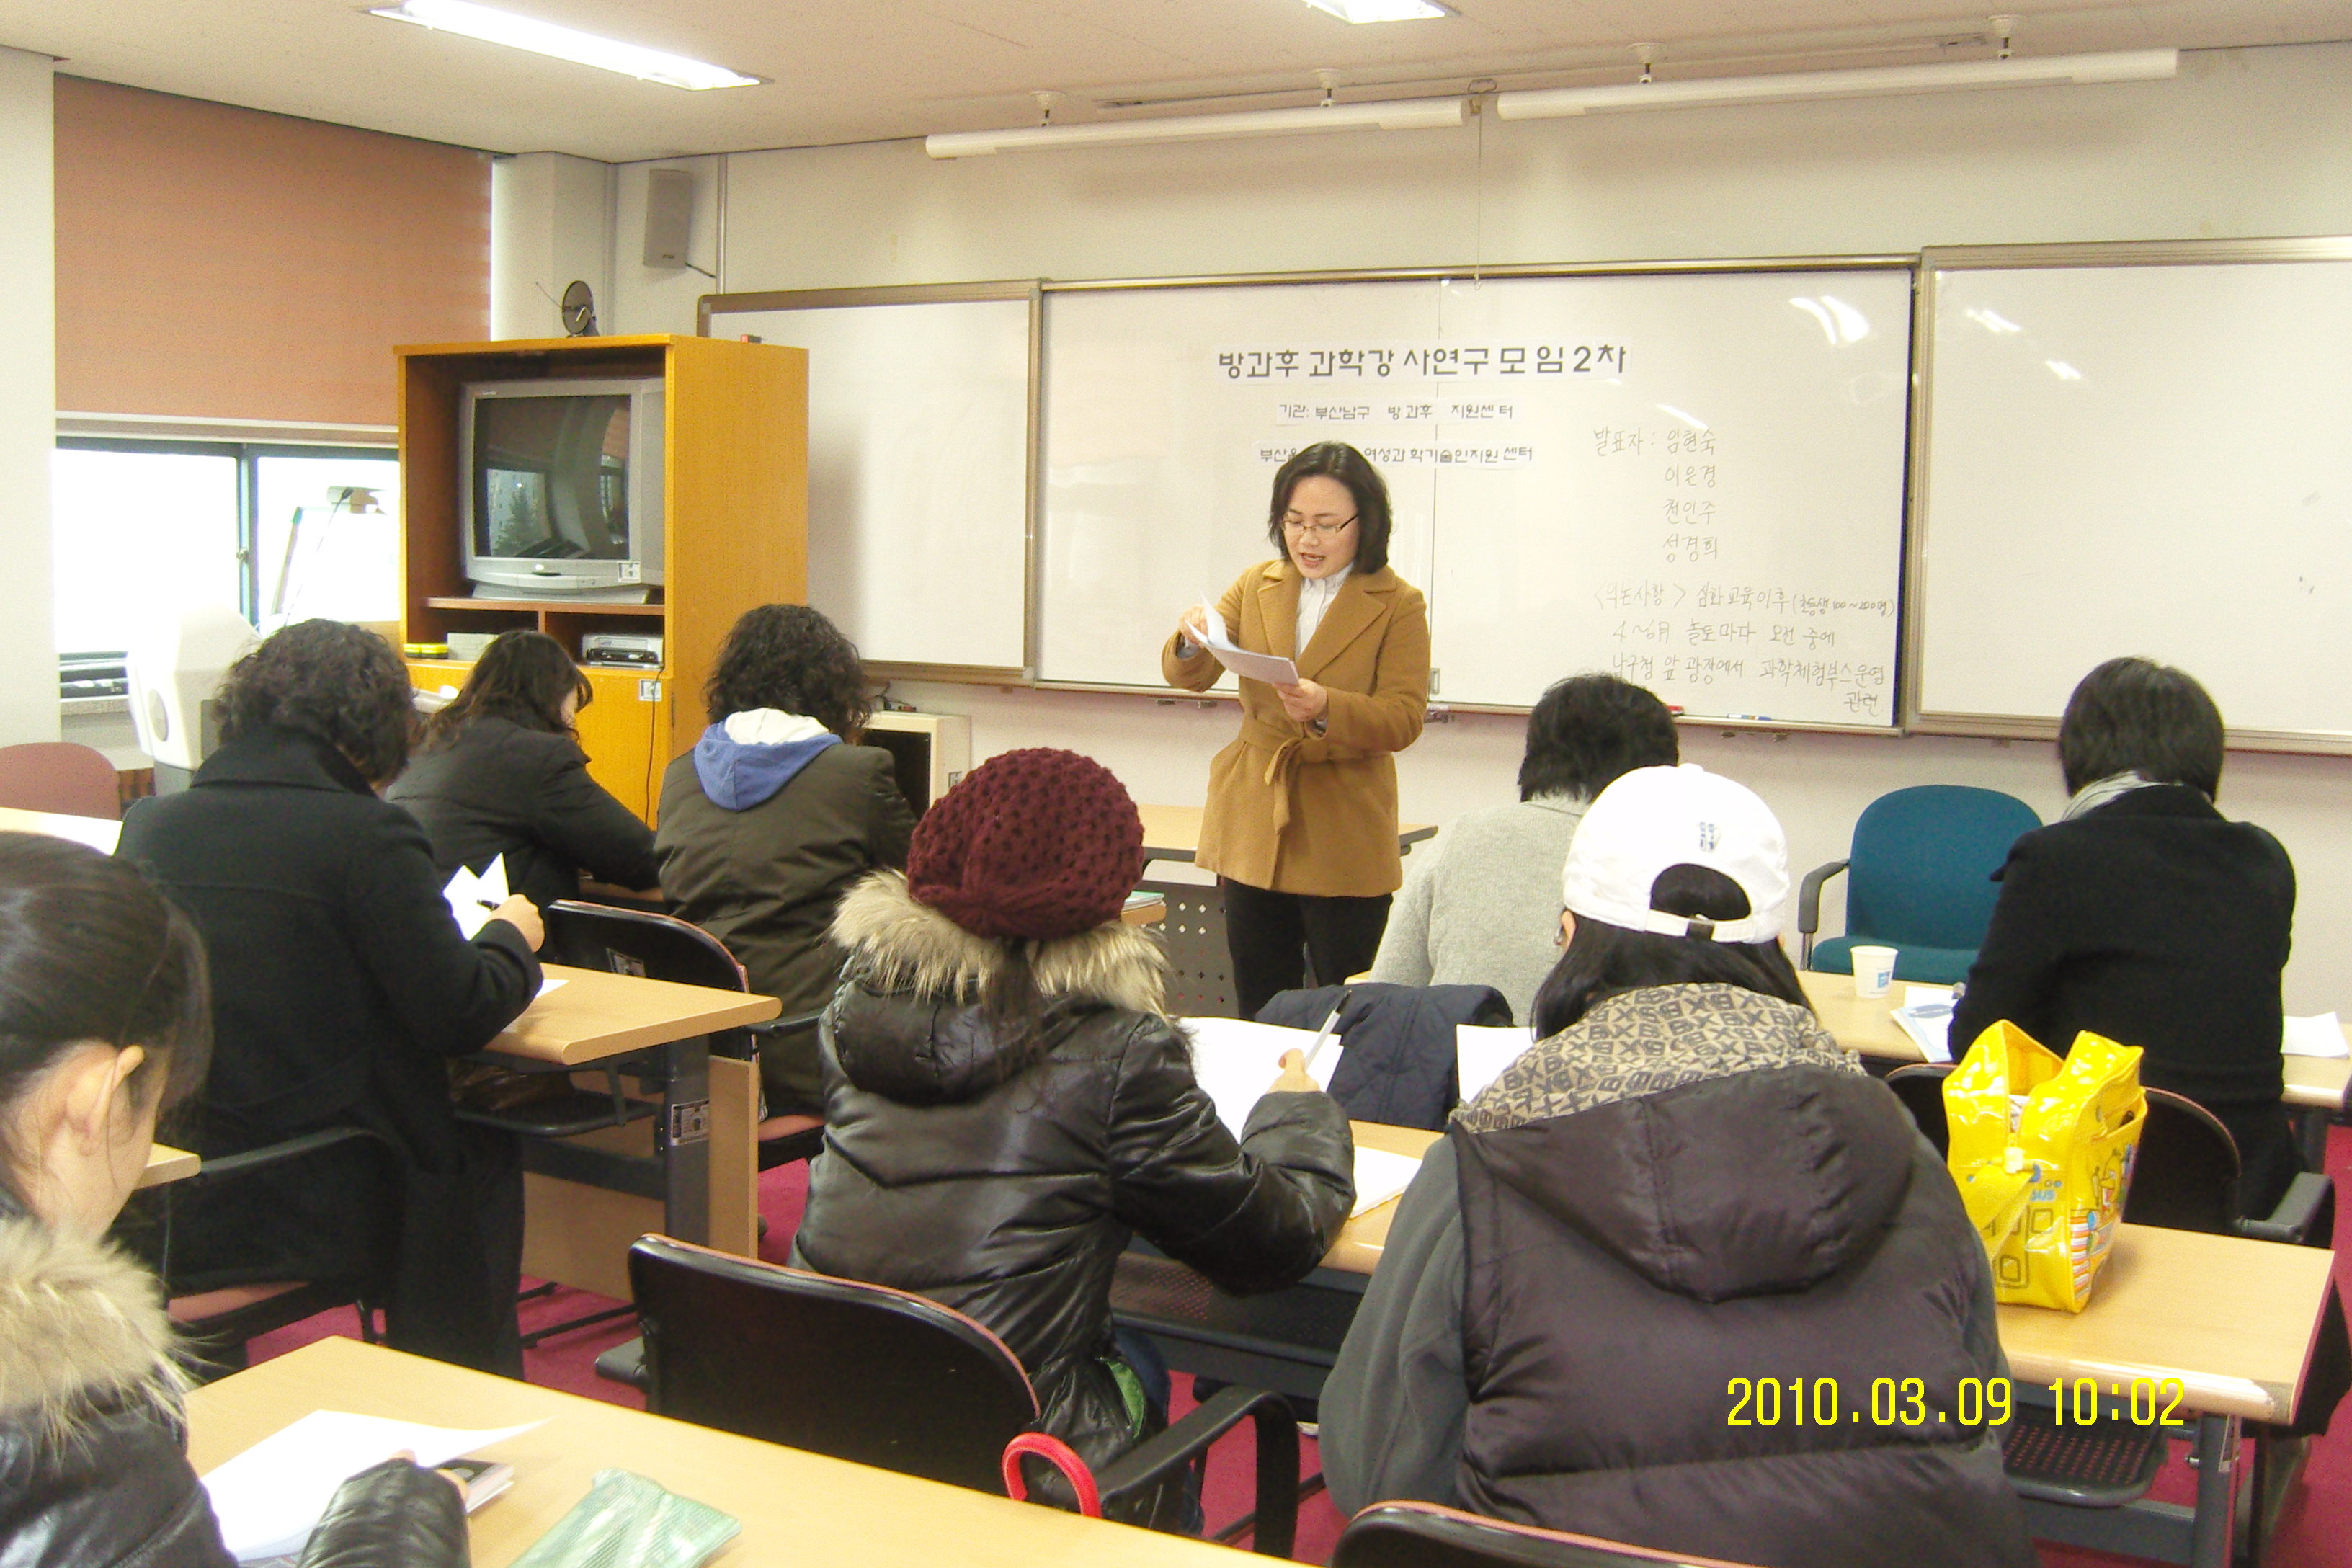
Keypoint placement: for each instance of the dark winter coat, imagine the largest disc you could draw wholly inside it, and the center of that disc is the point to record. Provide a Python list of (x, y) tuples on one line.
[(757, 849), (2157, 922), (1688, 1188), (341, 988), (93, 1471), (1400, 1065), (498, 788), (1006, 1187)]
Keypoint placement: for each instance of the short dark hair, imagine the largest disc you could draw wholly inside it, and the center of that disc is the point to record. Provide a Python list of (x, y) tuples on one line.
[(1603, 961), (91, 951), (2135, 715), (1588, 729), (1337, 460), (332, 681), (789, 657), (523, 676)]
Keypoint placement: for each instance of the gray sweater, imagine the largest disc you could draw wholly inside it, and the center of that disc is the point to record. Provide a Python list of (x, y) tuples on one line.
[(1480, 904)]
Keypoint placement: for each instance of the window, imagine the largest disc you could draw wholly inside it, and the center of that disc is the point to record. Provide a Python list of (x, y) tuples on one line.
[(144, 530)]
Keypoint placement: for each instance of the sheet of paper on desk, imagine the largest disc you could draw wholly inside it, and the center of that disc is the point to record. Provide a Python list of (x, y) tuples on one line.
[(1270, 668), (1235, 1060), (1481, 1052), (1379, 1176), (269, 1497), (472, 897), (547, 983), (2320, 1036), (1926, 1016)]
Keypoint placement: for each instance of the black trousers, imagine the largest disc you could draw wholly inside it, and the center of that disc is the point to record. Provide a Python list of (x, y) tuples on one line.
[(1272, 936)]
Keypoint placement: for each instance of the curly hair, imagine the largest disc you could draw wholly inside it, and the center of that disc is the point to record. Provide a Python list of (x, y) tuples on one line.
[(334, 682), (789, 657), (523, 676)]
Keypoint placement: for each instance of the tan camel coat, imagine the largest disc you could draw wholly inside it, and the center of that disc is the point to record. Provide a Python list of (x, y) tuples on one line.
[(1296, 812)]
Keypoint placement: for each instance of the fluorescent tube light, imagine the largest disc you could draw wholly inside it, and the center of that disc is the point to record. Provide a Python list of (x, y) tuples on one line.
[(1952, 76), (493, 26), (1402, 114), (1361, 11)]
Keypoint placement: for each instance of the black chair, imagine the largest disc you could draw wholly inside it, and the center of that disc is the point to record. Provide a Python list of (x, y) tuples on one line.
[(1920, 1088), (885, 1377), (219, 1323), (1423, 1535)]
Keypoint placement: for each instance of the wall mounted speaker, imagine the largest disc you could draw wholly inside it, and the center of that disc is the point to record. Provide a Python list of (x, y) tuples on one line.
[(669, 216)]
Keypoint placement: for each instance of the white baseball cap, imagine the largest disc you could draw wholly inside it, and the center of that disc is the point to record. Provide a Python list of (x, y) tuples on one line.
[(1651, 818)]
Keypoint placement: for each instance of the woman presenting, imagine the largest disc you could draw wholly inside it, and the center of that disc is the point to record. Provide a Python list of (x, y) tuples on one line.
[(1301, 826)]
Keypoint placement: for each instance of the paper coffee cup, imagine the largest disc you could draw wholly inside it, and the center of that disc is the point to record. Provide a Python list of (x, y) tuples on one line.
[(1873, 971)]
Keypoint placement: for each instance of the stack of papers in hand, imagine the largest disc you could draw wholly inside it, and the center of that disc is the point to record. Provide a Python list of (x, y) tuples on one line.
[(1270, 668), (269, 1497), (1481, 1053), (1235, 1062), (1926, 1016), (472, 897), (2320, 1036)]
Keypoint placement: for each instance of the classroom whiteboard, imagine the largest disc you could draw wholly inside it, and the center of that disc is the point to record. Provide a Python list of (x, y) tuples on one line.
[(1692, 478), (2137, 449), (919, 420)]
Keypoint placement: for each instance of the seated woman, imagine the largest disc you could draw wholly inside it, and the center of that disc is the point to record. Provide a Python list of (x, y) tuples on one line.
[(773, 815), (1683, 1182), (1005, 1101), (340, 989), (104, 1021), (501, 773), (2145, 915), (1479, 903)]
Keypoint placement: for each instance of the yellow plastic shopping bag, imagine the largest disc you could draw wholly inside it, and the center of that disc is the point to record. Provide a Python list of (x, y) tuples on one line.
[(2041, 1148)]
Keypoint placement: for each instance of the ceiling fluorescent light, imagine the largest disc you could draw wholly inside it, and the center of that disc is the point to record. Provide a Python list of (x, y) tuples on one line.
[(2132, 65), (1361, 11), (494, 27), (1402, 114)]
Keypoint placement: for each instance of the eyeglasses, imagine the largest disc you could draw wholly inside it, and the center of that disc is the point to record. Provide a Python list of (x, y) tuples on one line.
[(1299, 528)]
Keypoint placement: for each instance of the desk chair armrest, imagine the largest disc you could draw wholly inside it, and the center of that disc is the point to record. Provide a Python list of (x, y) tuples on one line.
[(743, 1043), (229, 1165), (1809, 904), (2304, 1218), (1156, 1459)]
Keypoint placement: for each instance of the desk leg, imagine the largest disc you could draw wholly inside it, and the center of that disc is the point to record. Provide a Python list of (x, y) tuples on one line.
[(683, 1139), (2217, 1490)]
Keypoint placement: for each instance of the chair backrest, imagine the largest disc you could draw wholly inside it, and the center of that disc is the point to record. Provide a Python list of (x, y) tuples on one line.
[(2185, 1174), (1923, 861), (636, 942), (1920, 1088), (60, 777), (1423, 1535), (858, 1372)]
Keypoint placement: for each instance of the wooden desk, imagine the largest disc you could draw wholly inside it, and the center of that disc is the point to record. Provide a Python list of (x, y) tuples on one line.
[(1149, 914), (165, 1164), (1864, 1026), (1357, 1248), (1173, 832), (99, 833), (795, 1506), (584, 1204)]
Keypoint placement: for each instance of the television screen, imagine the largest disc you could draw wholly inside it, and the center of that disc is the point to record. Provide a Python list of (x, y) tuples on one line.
[(551, 478)]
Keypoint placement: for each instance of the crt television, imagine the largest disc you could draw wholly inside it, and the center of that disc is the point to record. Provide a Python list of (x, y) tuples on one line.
[(562, 486)]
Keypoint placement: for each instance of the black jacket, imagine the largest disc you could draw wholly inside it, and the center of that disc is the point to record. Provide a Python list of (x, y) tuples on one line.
[(501, 789), (92, 1467), (2157, 923), (1007, 1191), (1401, 1065), (341, 987), (766, 881)]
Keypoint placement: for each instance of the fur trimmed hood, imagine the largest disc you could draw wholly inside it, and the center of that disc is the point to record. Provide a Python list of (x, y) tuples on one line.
[(82, 1329), (910, 946)]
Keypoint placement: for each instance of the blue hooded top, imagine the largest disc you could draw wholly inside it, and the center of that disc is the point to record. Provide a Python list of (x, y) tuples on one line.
[(744, 760)]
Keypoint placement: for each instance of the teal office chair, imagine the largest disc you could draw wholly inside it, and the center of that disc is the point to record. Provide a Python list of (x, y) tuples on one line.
[(1919, 880)]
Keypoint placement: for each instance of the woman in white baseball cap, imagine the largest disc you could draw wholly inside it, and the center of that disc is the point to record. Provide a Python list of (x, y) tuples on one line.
[(1681, 1194)]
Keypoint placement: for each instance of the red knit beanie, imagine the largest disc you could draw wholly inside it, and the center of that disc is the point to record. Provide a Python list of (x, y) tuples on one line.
[(1038, 844)]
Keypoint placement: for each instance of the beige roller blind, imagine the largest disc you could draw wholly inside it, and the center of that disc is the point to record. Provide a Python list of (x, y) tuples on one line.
[(222, 263)]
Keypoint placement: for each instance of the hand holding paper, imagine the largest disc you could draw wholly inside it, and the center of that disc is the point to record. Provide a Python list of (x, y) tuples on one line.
[(472, 897), (1269, 668)]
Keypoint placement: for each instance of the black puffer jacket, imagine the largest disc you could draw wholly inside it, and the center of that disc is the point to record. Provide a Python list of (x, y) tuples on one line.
[(1007, 1192), (92, 1471)]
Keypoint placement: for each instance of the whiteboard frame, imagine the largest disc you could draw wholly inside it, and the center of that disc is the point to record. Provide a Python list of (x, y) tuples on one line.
[(1933, 262), (1026, 288), (1910, 263)]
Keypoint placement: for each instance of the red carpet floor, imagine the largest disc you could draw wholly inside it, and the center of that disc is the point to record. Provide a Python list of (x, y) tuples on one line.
[(2312, 1533)]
